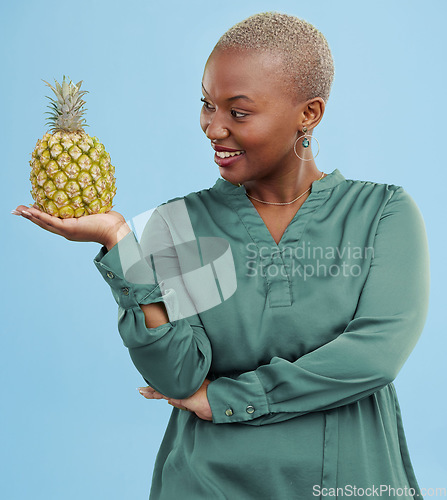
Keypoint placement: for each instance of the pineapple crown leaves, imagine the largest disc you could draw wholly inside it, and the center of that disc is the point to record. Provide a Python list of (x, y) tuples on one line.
[(67, 111)]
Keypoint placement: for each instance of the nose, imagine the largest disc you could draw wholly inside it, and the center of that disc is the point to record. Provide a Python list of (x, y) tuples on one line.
[(214, 128)]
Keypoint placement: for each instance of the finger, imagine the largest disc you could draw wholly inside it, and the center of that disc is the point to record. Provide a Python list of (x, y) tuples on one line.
[(21, 210), (146, 390), (177, 403), (150, 393), (47, 220), (41, 219), (37, 222), (157, 395), (180, 407), (26, 208)]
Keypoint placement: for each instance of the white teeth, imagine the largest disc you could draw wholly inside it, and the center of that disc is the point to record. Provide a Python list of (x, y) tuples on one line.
[(227, 154)]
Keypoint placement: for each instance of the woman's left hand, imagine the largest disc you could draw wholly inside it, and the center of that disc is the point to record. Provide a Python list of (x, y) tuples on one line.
[(197, 403)]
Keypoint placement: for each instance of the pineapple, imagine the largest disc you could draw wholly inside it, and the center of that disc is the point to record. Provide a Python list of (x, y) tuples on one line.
[(71, 173)]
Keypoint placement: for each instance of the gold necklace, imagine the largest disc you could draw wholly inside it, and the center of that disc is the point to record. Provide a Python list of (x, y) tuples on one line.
[(283, 203)]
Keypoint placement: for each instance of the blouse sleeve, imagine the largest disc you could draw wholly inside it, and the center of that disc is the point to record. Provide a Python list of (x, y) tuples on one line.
[(173, 358), (367, 356)]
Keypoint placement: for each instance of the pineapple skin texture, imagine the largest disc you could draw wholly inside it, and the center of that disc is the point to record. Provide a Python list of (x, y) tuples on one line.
[(71, 175)]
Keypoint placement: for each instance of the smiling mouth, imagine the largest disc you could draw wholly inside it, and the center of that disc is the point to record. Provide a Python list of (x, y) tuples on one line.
[(227, 154)]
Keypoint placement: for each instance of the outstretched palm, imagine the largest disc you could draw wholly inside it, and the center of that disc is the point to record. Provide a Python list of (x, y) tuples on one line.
[(101, 228)]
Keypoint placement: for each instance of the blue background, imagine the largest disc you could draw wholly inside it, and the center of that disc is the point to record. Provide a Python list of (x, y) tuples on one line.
[(72, 423)]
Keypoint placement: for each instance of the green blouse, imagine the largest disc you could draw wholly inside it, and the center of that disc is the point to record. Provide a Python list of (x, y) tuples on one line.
[(301, 352)]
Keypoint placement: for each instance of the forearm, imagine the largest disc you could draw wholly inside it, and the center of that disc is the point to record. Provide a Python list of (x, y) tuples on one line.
[(174, 359), (155, 314), (337, 374), (172, 354), (367, 355)]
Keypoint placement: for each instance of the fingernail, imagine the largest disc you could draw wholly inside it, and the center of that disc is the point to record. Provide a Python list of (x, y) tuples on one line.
[(15, 212), (26, 213)]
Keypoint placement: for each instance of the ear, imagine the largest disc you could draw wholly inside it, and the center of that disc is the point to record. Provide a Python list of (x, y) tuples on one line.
[(312, 112)]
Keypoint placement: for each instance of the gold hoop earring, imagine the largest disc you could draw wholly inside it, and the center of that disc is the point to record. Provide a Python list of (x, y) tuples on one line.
[(305, 144)]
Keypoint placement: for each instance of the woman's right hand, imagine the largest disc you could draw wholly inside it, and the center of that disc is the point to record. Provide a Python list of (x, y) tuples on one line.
[(106, 229)]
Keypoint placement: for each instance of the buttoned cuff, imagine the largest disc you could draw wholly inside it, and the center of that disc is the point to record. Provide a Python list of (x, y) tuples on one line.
[(128, 274), (238, 400)]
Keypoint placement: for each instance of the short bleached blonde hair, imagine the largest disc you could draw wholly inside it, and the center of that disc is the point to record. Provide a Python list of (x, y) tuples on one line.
[(305, 52)]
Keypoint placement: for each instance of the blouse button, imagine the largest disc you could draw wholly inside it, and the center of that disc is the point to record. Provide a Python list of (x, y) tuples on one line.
[(250, 409), (228, 412), (110, 275), (125, 291)]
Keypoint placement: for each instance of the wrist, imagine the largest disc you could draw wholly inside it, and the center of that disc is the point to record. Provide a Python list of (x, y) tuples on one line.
[(116, 235)]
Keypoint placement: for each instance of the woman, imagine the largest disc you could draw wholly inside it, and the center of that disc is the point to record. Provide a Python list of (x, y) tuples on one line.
[(287, 380)]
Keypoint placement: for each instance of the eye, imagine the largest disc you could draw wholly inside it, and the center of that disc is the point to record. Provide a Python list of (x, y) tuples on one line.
[(238, 114), (206, 104)]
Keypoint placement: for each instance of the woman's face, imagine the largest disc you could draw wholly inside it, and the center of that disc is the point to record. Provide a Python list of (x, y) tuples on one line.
[(249, 110)]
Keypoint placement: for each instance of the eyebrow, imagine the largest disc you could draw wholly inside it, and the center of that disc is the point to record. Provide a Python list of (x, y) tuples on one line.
[(234, 97)]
